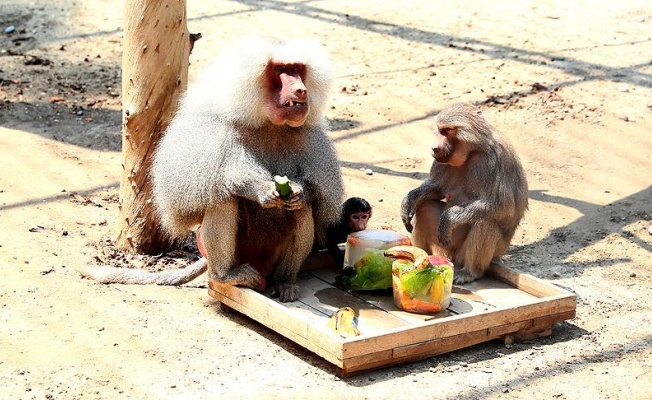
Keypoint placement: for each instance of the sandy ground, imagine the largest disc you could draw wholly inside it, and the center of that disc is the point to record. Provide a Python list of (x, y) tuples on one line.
[(570, 83)]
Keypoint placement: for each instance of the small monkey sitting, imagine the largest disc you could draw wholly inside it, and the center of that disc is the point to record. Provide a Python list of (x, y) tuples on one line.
[(471, 204), (356, 213)]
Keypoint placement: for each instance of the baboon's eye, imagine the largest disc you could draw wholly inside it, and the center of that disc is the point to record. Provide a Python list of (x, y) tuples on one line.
[(446, 131)]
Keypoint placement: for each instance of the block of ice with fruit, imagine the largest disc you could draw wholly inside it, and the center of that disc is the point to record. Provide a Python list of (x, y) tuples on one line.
[(365, 265), (420, 283)]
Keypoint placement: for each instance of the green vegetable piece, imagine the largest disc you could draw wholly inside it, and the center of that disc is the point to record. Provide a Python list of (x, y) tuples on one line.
[(373, 271), (282, 185), (418, 282)]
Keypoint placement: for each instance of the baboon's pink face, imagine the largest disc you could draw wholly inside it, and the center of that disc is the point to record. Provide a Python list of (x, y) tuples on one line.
[(288, 95), (448, 149)]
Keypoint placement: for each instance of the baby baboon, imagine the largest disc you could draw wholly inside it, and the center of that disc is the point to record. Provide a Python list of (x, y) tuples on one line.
[(470, 205), (356, 213), (256, 113)]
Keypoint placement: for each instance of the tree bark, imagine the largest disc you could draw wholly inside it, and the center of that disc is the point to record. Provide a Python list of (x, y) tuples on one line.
[(156, 49)]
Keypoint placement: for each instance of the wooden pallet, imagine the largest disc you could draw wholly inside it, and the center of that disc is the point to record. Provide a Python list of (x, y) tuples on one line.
[(504, 305)]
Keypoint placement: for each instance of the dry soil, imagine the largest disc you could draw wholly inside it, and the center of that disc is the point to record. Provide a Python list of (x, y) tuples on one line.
[(569, 83)]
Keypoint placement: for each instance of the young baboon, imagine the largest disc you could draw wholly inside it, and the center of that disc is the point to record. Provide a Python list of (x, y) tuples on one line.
[(473, 200), (256, 113), (356, 213)]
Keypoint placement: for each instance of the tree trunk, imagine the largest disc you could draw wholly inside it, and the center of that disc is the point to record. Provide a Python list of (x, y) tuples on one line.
[(156, 49)]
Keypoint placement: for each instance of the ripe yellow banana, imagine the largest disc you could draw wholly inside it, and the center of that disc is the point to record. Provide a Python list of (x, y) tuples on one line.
[(344, 322)]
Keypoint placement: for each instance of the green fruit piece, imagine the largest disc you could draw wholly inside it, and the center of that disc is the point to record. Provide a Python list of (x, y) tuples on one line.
[(373, 271), (417, 282), (282, 185)]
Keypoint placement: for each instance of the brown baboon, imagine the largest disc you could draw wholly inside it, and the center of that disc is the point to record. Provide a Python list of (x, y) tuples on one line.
[(256, 113), (473, 200)]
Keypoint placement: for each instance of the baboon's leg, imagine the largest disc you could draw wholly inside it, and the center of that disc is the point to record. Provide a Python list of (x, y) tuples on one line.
[(297, 249), (219, 232)]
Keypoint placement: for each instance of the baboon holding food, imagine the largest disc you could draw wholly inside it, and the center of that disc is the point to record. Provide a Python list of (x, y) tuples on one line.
[(258, 112), (471, 204)]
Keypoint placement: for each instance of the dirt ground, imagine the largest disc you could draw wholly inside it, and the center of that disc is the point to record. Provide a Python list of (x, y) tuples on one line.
[(570, 83)]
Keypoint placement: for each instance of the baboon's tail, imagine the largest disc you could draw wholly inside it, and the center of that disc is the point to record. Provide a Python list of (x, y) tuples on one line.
[(130, 276)]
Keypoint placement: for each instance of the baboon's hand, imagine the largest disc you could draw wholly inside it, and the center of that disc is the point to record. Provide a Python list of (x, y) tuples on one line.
[(270, 198), (296, 199), (445, 230), (407, 212)]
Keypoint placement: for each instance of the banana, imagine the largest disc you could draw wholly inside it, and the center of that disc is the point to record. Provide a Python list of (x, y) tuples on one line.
[(418, 256), (344, 322), (411, 253)]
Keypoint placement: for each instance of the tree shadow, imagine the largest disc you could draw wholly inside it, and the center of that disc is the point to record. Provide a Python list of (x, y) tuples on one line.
[(492, 50), (342, 124), (352, 165), (97, 128), (80, 196), (596, 223), (488, 50), (54, 92)]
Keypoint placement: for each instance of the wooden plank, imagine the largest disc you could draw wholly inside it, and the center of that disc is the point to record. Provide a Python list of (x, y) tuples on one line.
[(324, 297), (465, 301), (445, 327), (434, 347), (379, 298), (490, 292), (296, 326), (520, 287), (412, 352), (328, 275), (458, 324), (540, 327), (527, 283), (498, 294), (385, 301)]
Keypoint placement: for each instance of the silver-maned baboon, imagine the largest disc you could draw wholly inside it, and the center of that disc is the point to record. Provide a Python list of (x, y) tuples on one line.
[(256, 113)]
